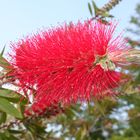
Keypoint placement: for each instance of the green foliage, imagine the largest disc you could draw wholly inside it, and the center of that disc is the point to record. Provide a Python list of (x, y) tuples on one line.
[(3, 116), (3, 62), (96, 120), (10, 95), (7, 136), (9, 108), (2, 52), (99, 13), (90, 9)]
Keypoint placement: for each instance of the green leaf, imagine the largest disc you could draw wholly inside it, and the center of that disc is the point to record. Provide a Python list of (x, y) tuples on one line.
[(81, 133), (90, 9), (15, 131), (2, 52), (7, 136), (137, 80), (8, 108), (99, 107), (29, 136), (2, 136), (2, 117), (35, 128), (4, 63), (22, 105), (12, 137), (70, 113), (96, 9), (10, 95), (106, 14)]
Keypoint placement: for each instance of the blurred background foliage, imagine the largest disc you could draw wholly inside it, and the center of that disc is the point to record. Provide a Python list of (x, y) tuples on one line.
[(109, 119)]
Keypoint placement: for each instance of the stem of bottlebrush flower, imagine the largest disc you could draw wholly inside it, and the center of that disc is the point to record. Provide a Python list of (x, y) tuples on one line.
[(107, 7)]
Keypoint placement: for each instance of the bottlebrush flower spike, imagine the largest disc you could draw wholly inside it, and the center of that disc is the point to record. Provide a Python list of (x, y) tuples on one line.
[(68, 63)]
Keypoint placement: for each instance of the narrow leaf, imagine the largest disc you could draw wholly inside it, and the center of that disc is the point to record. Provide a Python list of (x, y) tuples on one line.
[(2, 52), (8, 108), (10, 95), (4, 63), (15, 131), (2, 117), (90, 9), (96, 9)]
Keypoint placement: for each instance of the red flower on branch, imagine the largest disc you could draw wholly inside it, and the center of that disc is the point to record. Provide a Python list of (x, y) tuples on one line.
[(69, 63)]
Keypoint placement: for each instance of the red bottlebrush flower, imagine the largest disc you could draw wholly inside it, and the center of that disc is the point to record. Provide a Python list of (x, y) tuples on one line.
[(69, 63)]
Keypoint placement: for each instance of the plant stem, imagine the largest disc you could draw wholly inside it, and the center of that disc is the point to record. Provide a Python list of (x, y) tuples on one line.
[(107, 7)]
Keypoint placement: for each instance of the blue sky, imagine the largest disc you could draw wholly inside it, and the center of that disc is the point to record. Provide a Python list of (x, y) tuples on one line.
[(19, 18)]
